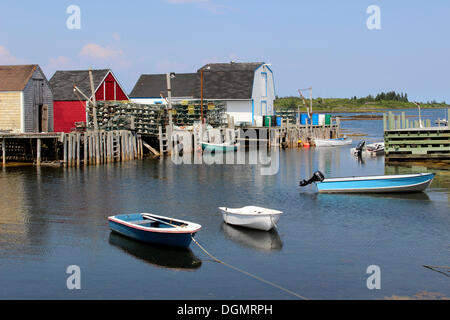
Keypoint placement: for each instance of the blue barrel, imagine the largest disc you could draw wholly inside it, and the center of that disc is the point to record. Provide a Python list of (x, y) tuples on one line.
[(304, 118), (315, 119), (279, 119)]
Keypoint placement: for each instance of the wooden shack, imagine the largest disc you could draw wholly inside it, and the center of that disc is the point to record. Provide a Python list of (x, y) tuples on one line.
[(26, 100), (70, 105)]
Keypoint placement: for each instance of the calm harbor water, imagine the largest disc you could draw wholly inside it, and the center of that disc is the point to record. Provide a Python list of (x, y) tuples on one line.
[(51, 218)]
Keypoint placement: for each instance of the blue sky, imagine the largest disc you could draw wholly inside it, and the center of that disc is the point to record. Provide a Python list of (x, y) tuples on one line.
[(324, 43)]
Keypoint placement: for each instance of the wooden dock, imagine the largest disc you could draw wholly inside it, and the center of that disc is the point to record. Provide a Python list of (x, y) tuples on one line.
[(407, 140), (287, 135), (72, 149)]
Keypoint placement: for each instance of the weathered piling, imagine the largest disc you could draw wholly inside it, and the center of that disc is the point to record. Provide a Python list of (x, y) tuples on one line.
[(100, 147), (4, 151)]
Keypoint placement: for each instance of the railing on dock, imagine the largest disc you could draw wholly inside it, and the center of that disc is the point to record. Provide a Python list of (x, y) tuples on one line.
[(416, 140)]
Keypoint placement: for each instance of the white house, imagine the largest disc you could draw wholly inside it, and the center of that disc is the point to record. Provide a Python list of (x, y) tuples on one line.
[(247, 88)]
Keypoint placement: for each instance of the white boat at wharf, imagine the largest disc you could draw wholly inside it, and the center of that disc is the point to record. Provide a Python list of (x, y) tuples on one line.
[(373, 149), (332, 142)]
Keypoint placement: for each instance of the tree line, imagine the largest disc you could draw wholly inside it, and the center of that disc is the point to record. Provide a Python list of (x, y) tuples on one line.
[(386, 96)]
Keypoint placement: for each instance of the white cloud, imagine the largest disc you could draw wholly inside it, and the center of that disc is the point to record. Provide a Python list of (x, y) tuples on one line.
[(116, 36), (7, 58), (96, 51), (60, 63), (205, 4), (106, 55)]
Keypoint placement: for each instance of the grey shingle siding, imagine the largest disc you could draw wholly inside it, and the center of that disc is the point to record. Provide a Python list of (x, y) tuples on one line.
[(31, 105)]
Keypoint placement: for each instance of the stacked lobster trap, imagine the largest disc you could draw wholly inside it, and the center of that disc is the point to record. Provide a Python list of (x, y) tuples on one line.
[(147, 118)]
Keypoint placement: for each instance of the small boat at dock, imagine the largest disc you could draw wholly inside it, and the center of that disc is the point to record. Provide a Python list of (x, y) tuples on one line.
[(371, 184), (151, 228), (332, 142), (443, 122), (251, 217), (373, 149), (221, 147)]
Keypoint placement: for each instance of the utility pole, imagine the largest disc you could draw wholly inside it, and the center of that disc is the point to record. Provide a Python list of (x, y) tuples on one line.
[(169, 96), (94, 102), (201, 95), (201, 91)]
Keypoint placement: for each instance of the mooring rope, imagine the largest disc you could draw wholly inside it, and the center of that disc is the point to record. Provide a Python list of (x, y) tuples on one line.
[(248, 273)]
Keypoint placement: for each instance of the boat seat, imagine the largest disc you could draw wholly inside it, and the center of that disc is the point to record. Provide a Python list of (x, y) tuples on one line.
[(140, 221)]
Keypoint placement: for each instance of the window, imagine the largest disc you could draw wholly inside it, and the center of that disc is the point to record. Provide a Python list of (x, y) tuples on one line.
[(263, 107), (264, 83)]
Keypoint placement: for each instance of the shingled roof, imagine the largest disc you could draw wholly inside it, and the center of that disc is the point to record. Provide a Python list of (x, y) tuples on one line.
[(150, 85), (232, 81), (232, 66), (62, 83), (236, 85), (15, 78)]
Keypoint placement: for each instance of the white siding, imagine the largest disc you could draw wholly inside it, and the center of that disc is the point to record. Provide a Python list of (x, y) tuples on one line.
[(263, 91), (241, 110), (148, 100)]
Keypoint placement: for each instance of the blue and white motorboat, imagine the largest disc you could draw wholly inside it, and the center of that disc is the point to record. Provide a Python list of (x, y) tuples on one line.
[(371, 184), (151, 228)]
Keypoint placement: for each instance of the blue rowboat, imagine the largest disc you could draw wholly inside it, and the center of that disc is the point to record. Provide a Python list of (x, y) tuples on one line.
[(151, 228), (222, 147), (372, 184)]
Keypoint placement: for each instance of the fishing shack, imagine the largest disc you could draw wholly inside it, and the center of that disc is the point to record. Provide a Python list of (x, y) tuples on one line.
[(72, 90), (26, 100)]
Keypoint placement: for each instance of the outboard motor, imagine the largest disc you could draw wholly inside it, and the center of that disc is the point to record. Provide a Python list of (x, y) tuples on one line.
[(359, 148), (317, 177)]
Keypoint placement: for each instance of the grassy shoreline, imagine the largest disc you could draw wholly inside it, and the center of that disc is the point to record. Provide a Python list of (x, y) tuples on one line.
[(350, 105)]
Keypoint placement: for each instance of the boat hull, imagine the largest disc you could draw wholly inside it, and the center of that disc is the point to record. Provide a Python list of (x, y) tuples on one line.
[(332, 142), (219, 148), (377, 184), (264, 223), (167, 237)]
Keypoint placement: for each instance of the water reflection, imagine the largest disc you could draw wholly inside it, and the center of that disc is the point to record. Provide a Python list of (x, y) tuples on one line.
[(419, 196), (165, 257), (441, 180), (254, 239)]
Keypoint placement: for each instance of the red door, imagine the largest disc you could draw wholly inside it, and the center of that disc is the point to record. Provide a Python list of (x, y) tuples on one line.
[(109, 90)]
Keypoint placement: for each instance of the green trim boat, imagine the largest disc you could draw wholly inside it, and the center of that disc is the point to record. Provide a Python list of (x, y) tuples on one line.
[(221, 147)]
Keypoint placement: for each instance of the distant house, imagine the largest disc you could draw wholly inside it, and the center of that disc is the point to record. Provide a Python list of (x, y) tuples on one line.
[(246, 88), (26, 100), (70, 105)]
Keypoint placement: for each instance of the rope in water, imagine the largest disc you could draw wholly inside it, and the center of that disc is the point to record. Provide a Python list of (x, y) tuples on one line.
[(248, 273)]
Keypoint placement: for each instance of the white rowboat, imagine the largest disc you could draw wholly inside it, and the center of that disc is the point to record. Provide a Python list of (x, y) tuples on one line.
[(251, 217), (332, 142)]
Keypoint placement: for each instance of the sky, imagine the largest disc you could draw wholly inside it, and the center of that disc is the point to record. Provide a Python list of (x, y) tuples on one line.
[(325, 44)]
